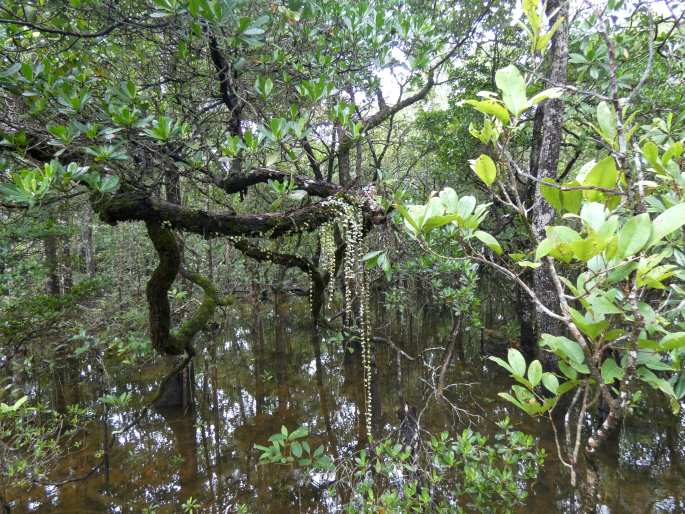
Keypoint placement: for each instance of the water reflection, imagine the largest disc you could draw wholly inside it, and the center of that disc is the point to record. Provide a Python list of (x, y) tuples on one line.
[(264, 370)]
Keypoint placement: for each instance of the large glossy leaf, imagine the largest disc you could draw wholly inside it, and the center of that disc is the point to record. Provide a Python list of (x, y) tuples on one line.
[(634, 235), (672, 341), (606, 118), (564, 347), (666, 222), (611, 371), (492, 107), (513, 87), (516, 361), (449, 199), (535, 372), (488, 241), (485, 168), (551, 382), (603, 174)]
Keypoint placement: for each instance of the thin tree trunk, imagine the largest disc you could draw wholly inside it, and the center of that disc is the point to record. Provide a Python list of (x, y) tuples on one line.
[(87, 246), (52, 280), (547, 160), (66, 272), (343, 157)]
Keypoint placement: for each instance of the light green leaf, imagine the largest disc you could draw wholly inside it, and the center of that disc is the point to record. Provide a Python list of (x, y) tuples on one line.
[(634, 235), (603, 174), (611, 371), (553, 92), (666, 222), (513, 87), (516, 361), (492, 107), (551, 194), (465, 206), (438, 221), (502, 363), (551, 382), (485, 168), (449, 199), (535, 372), (488, 241), (672, 341), (564, 347), (606, 118), (593, 214)]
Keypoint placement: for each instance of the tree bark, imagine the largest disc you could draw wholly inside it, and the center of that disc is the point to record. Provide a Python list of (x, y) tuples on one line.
[(52, 280), (87, 246), (548, 146)]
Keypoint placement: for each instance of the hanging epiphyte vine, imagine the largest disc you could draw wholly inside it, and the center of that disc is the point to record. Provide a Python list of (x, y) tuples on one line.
[(349, 218), (327, 264)]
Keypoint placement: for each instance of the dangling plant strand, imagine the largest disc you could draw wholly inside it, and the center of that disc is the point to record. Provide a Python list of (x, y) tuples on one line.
[(351, 221), (327, 260)]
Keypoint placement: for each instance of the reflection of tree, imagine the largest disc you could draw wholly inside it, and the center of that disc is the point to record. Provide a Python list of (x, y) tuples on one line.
[(324, 396), (182, 424), (66, 379)]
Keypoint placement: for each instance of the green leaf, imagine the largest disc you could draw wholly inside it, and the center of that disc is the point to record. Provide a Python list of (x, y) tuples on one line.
[(572, 200), (553, 92), (672, 341), (593, 214), (409, 220), (449, 199), (564, 347), (488, 241), (551, 194), (513, 87), (603, 174), (485, 168), (634, 235), (465, 206), (491, 107), (438, 221), (588, 328), (666, 222), (607, 122), (296, 449), (516, 361), (298, 433), (511, 399), (502, 363), (611, 371), (535, 372), (601, 305), (568, 371), (551, 382)]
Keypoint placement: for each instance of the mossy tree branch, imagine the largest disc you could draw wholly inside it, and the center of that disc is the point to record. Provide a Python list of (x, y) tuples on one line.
[(164, 340)]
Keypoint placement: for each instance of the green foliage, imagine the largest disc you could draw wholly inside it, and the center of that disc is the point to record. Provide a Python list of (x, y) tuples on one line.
[(292, 448), (466, 473)]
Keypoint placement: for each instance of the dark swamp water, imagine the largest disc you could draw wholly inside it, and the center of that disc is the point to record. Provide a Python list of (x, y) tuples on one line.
[(265, 368)]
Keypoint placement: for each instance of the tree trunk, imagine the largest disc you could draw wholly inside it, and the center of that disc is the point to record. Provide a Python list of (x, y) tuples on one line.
[(548, 146), (87, 247), (52, 280), (343, 157), (66, 272)]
